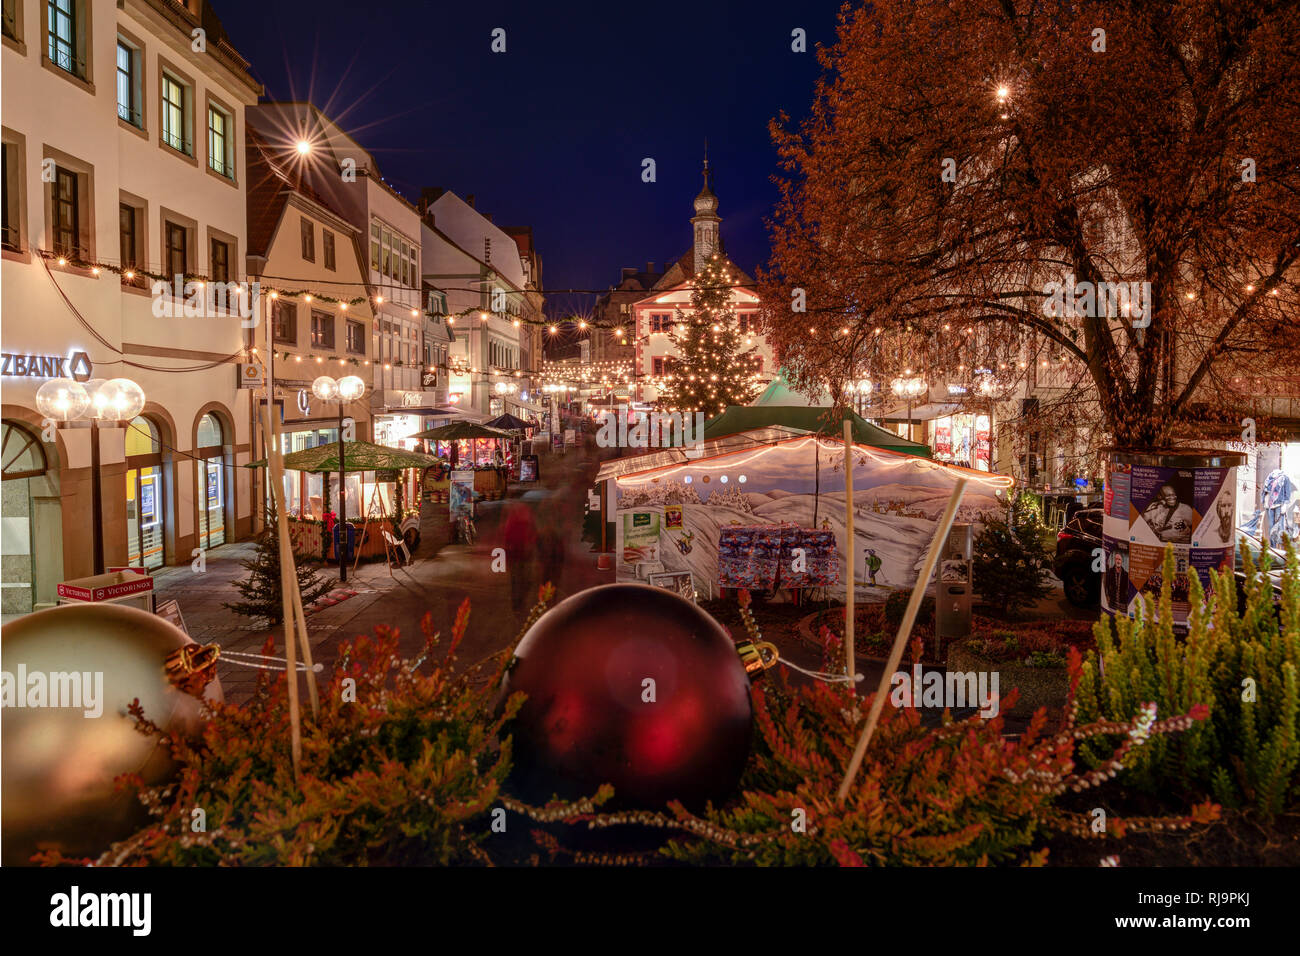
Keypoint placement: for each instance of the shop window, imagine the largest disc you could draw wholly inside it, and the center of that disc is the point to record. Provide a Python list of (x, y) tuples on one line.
[(210, 449), (145, 508), (29, 574), (21, 453), (210, 432)]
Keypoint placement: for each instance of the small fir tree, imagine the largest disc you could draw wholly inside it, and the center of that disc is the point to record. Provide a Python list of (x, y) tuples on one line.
[(1011, 561), (715, 368), (261, 590)]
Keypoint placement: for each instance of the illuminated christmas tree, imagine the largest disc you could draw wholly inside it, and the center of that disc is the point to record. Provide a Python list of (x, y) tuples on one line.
[(714, 369)]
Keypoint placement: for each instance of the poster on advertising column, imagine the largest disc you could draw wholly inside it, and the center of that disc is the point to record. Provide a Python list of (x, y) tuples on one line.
[(1150, 507), (460, 496)]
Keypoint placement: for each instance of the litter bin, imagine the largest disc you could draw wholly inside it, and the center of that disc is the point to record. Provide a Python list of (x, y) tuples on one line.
[(349, 542), (952, 600)]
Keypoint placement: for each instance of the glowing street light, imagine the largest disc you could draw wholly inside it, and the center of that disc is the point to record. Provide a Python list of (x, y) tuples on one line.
[(343, 390), (113, 400)]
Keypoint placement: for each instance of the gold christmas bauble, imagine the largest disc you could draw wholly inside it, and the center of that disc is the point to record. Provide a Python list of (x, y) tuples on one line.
[(69, 674)]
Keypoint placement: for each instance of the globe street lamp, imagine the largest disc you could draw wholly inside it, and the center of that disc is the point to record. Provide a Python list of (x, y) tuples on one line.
[(343, 390), (910, 387), (115, 400)]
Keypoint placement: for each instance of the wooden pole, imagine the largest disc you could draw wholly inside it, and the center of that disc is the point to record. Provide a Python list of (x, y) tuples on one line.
[(904, 629), (288, 586), (852, 546), (312, 691)]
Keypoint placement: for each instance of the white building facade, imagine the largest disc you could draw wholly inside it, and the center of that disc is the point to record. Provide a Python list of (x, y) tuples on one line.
[(654, 315), (346, 176), (488, 295), (123, 136)]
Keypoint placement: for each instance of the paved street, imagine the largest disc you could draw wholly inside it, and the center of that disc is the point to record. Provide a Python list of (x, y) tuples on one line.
[(435, 583)]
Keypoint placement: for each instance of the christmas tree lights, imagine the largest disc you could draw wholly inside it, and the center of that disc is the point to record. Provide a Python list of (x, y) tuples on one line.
[(716, 369)]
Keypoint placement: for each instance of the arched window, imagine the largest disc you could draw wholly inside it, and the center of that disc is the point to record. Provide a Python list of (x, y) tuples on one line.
[(210, 433), (21, 453), (146, 510), (210, 449), (142, 438), (33, 563)]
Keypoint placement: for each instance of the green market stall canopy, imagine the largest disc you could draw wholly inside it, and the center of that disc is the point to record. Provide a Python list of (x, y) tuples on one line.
[(819, 420), (456, 431), (358, 456)]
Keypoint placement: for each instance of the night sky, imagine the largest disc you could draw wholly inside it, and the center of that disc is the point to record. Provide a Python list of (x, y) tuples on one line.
[(552, 132)]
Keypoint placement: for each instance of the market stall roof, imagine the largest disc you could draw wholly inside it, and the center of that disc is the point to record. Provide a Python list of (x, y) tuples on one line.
[(508, 423), (618, 467), (780, 392), (643, 465), (454, 431), (821, 420), (526, 406), (358, 456), (928, 412)]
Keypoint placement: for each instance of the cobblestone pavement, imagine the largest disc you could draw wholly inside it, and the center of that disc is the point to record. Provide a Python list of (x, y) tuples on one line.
[(439, 579)]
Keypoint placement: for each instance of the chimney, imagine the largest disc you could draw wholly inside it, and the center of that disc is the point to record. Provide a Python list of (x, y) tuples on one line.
[(629, 271), (469, 200), (428, 196), (649, 267)]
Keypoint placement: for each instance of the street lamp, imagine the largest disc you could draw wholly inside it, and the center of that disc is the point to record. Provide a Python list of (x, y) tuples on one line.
[(343, 390), (910, 387), (114, 400)]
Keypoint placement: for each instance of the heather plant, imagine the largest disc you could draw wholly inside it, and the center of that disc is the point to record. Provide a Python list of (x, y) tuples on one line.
[(1240, 663), (404, 766), (958, 794)]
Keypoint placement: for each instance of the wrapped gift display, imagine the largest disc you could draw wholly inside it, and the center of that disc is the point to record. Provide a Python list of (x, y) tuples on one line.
[(762, 557)]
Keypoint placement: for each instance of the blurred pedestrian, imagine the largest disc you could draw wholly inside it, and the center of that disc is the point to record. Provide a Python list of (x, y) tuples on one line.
[(520, 533), (550, 555)]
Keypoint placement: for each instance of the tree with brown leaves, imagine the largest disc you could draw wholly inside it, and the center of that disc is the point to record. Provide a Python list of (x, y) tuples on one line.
[(1103, 197)]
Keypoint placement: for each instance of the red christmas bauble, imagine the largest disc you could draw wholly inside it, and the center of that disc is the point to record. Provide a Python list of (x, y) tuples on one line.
[(633, 686)]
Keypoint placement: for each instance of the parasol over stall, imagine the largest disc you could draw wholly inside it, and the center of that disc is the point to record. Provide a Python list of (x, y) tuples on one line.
[(509, 423), (374, 481), (466, 452)]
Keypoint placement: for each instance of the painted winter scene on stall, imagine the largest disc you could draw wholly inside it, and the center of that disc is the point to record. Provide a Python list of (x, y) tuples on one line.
[(675, 515)]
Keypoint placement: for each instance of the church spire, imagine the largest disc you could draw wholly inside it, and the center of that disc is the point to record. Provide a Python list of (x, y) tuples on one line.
[(706, 220)]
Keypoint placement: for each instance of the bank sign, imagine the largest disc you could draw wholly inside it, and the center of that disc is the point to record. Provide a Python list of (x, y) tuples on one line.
[(74, 365)]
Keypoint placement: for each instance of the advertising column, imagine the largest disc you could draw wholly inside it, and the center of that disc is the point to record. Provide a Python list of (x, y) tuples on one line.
[(1183, 499)]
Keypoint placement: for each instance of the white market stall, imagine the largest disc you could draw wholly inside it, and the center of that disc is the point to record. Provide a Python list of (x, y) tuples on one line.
[(670, 511)]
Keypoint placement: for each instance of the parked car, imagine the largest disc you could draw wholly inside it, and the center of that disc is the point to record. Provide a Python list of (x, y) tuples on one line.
[(1277, 564), (1073, 563)]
